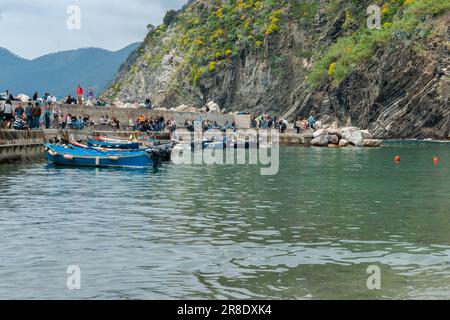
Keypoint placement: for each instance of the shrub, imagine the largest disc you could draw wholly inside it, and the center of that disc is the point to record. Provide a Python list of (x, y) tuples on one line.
[(170, 17), (331, 69), (212, 66)]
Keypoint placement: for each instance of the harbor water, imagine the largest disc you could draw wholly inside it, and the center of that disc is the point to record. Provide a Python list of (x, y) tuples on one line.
[(207, 232)]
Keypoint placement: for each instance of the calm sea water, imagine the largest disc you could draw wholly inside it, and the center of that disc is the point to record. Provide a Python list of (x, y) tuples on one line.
[(200, 232)]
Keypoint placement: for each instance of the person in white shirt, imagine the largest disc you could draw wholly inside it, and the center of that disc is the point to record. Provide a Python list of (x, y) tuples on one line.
[(8, 113)]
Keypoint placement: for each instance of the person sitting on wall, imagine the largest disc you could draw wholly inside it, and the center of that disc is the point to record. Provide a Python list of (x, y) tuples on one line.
[(227, 126), (10, 96), (69, 100), (19, 124)]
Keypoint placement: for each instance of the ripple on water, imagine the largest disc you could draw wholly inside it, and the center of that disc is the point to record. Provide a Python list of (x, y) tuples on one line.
[(226, 232)]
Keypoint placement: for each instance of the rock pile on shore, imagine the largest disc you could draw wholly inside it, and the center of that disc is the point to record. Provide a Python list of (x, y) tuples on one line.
[(334, 137)]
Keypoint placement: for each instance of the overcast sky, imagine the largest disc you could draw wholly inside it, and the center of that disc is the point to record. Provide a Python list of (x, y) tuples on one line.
[(32, 28)]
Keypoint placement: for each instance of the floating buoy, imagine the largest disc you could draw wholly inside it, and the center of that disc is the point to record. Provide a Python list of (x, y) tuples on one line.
[(436, 160), (397, 159)]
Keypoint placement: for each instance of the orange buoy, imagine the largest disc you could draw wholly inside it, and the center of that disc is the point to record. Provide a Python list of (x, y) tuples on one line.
[(436, 160), (397, 158)]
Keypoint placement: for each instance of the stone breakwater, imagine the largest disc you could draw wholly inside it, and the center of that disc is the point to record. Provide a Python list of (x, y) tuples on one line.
[(344, 137)]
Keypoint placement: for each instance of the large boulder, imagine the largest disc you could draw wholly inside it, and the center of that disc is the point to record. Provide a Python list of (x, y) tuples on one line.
[(353, 135), (212, 107), (343, 143), (333, 139), (372, 143), (335, 131), (319, 133), (320, 141), (366, 134), (185, 108)]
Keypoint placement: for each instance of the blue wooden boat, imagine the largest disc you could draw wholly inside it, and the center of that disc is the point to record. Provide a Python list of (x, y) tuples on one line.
[(70, 155), (114, 144)]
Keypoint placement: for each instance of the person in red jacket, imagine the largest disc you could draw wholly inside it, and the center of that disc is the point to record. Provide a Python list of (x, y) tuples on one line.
[(80, 95)]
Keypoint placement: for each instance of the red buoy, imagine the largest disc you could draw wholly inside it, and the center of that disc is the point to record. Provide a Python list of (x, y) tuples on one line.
[(436, 160), (397, 159)]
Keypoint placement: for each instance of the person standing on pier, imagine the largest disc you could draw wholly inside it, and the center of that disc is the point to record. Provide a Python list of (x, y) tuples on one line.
[(80, 93), (312, 122), (8, 113), (29, 114), (19, 111), (36, 115), (47, 117)]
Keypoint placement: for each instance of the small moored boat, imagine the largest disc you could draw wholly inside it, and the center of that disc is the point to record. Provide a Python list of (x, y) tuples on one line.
[(70, 155)]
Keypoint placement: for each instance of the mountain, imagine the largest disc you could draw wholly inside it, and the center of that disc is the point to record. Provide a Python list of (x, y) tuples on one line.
[(8, 58), (300, 57), (60, 73)]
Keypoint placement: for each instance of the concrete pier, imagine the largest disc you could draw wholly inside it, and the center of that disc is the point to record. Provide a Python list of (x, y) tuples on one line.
[(21, 146)]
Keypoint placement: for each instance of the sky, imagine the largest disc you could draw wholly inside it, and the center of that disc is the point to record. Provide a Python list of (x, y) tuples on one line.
[(32, 28)]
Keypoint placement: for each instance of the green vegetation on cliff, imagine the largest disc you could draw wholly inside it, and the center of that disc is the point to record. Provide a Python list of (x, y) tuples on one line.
[(210, 36), (403, 19), (289, 43)]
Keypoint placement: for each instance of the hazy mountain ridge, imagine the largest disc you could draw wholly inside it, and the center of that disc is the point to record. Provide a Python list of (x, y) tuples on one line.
[(59, 73)]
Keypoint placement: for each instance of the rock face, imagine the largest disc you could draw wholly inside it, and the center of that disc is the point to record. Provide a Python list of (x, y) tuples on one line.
[(401, 91)]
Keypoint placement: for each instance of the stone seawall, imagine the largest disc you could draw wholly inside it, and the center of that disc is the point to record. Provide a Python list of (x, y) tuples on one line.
[(20, 146)]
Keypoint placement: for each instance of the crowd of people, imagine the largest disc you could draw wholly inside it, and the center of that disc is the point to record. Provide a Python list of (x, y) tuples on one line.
[(266, 121), (43, 112), (206, 125), (151, 124), (160, 124), (32, 116), (49, 99), (305, 124)]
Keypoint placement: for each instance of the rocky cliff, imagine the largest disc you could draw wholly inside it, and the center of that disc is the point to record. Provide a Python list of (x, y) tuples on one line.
[(299, 57)]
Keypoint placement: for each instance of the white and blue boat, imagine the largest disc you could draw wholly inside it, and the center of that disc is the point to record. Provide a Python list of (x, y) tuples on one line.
[(113, 144), (71, 155)]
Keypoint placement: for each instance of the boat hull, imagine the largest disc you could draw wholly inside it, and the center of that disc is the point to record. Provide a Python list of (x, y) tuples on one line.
[(73, 156)]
